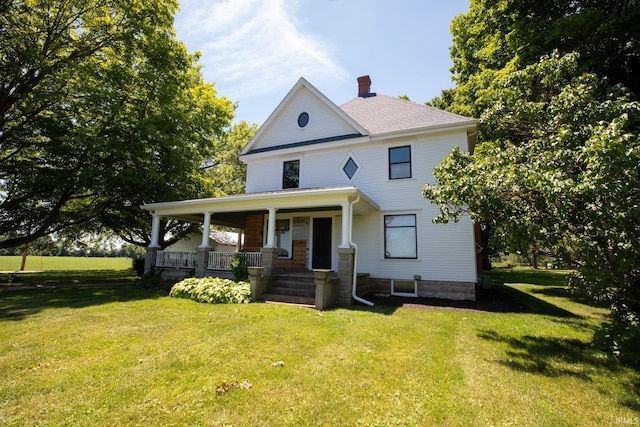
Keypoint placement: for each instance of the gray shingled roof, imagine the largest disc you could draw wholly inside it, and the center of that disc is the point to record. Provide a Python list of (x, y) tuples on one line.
[(381, 114)]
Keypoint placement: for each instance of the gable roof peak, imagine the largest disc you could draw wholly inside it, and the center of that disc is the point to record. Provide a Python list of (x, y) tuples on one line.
[(313, 96)]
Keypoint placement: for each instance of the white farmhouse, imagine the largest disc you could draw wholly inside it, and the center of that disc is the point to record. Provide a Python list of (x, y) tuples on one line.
[(337, 190)]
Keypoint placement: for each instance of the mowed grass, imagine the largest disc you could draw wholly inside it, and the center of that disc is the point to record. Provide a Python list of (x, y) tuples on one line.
[(116, 355), (65, 270), (56, 263)]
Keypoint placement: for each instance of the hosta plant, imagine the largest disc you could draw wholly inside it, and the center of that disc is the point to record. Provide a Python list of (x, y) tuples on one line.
[(212, 290)]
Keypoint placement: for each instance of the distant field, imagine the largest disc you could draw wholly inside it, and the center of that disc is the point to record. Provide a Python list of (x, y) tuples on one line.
[(54, 263)]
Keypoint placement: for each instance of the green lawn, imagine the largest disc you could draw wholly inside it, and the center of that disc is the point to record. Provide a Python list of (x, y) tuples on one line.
[(116, 355), (54, 263)]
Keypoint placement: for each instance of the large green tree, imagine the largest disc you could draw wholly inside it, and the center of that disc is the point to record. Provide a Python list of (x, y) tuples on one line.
[(559, 167), (555, 85), (225, 172), (499, 36), (101, 109), (219, 175)]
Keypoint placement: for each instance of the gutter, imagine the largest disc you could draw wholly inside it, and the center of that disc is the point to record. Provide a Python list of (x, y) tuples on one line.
[(355, 258)]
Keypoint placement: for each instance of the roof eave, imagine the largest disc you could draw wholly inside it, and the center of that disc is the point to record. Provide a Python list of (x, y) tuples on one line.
[(469, 125), (303, 198), (285, 151)]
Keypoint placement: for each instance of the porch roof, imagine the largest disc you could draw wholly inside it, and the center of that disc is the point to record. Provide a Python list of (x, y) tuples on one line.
[(230, 210)]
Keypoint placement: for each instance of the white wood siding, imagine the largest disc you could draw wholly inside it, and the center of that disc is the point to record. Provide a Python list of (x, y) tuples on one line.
[(445, 252), (264, 175), (323, 123)]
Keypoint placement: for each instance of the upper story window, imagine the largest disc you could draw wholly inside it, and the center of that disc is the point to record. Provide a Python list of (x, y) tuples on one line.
[(291, 174), (400, 162), (303, 119), (350, 168)]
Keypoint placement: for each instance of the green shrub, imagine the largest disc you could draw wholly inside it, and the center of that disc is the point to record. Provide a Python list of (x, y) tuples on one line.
[(239, 266), (152, 280), (212, 290), (138, 266)]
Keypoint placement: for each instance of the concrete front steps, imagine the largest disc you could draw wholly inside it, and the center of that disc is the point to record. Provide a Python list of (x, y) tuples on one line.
[(292, 287)]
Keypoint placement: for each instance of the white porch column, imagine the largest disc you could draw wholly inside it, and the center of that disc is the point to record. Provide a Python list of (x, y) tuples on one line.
[(155, 231), (239, 243), (346, 223), (271, 229), (206, 229)]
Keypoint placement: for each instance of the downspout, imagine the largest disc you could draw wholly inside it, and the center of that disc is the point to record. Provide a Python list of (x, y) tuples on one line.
[(355, 257)]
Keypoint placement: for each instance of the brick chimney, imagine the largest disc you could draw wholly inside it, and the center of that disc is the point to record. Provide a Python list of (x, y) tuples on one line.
[(364, 86)]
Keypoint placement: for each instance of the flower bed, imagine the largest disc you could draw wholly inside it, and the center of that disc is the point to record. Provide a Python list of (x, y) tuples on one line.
[(212, 290)]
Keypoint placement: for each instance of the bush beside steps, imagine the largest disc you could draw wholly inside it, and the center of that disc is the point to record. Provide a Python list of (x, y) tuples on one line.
[(212, 290)]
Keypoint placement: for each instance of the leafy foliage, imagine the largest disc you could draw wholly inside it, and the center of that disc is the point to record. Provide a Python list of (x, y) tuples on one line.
[(101, 109), (138, 265), (212, 290), (500, 36), (558, 168), (225, 172), (556, 165), (239, 266)]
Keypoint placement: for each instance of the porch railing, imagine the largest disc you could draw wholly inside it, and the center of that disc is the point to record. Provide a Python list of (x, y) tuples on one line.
[(216, 261), (222, 260), (176, 259)]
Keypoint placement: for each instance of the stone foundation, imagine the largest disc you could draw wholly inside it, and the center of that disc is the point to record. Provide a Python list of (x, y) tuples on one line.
[(150, 259), (432, 289), (269, 261), (345, 276), (202, 259), (258, 282), (173, 274), (325, 289)]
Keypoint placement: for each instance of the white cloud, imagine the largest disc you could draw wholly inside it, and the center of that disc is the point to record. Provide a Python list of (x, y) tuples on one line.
[(253, 47)]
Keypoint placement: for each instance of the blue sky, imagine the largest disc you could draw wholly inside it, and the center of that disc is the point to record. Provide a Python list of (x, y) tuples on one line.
[(254, 51)]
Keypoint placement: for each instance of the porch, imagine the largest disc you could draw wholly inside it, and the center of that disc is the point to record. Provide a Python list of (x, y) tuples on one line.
[(301, 229)]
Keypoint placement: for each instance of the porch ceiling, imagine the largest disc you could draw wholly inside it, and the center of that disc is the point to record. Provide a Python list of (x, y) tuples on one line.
[(231, 210)]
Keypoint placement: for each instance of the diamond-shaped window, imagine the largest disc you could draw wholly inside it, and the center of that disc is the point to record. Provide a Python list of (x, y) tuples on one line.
[(350, 168)]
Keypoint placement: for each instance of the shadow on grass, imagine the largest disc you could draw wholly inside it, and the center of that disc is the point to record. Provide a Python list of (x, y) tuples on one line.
[(20, 304), (65, 277), (633, 401), (550, 356), (498, 299), (536, 305)]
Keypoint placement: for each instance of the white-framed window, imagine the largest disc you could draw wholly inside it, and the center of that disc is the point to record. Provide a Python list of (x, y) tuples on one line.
[(283, 238), (400, 162), (405, 288), (350, 166), (400, 236), (291, 174)]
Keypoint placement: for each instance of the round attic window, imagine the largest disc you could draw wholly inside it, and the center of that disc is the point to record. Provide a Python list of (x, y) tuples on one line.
[(303, 119)]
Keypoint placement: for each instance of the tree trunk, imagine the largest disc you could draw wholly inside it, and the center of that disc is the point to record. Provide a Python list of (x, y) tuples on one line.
[(24, 258)]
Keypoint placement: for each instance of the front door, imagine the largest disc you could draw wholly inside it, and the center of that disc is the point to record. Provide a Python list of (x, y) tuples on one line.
[(321, 243)]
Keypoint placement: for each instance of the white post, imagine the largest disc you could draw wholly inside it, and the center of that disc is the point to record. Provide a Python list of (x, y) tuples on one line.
[(239, 243), (346, 224), (206, 229), (155, 231), (271, 229)]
